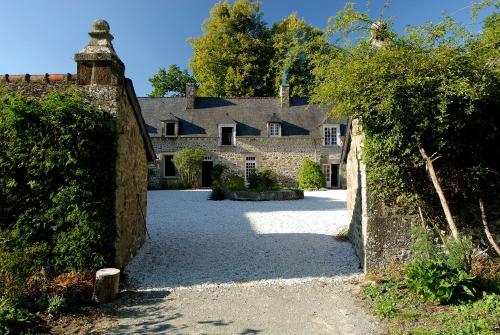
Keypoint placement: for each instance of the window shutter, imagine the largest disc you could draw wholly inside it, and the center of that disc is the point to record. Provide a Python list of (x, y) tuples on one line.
[(163, 129)]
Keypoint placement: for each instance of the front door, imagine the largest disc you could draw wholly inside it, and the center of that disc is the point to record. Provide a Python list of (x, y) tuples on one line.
[(206, 173), (327, 173), (335, 176)]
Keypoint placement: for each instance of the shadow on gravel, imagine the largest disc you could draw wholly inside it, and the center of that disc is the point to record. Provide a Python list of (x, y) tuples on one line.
[(153, 316), (196, 241)]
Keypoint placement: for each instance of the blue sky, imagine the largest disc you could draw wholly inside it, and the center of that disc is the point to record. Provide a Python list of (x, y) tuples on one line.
[(42, 36)]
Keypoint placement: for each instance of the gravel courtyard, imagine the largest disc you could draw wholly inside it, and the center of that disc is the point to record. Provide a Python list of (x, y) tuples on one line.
[(227, 267)]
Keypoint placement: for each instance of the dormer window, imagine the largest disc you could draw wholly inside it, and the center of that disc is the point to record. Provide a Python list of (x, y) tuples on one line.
[(227, 134), (274, 129), (169, 128), (331, 134)]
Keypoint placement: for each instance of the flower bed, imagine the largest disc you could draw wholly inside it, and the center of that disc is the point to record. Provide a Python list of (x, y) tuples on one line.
[(265, 195)]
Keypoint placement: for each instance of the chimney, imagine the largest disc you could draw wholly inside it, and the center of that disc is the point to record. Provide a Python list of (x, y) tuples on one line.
[(190, 96), (285, 95), (98, 63)]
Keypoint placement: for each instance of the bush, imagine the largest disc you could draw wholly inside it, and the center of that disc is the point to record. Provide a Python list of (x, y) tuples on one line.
[(13, 320), (217, 172), (217, 193), (56, 304), (311, 176), (262, 179), (188, 163), (437, 281), (234, 183), (440, 274), (57, 182)]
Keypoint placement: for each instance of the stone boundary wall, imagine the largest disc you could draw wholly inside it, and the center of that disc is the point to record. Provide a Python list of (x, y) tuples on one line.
[(380, 235)]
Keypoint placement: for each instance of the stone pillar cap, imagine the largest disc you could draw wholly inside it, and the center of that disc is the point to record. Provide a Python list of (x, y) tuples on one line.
[(99, 46)]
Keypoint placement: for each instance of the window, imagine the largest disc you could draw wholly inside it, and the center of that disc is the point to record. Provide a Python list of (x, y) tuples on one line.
[(274, 129), (330, 134), (168, 166), (250, 166), (168, 128), (227, 135)]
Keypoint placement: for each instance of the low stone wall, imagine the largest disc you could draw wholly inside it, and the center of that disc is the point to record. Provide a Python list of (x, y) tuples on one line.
[(380, 235), (266, 195)]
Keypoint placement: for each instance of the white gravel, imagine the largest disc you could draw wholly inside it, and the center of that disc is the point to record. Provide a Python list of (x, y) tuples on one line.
[(200, 243)]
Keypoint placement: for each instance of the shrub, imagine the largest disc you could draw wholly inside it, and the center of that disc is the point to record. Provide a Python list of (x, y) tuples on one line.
[(262, 179), (217, 193), (437, 281), (234, 183), (217, 172), (311, 176), (13, 320), (57, 182), (56, 305), (188, 163)]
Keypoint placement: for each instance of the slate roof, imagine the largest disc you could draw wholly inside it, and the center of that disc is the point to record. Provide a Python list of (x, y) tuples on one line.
[(250, 114)]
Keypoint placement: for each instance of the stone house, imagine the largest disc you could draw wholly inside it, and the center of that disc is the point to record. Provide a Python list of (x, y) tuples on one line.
[(101, 79), (243, 134)]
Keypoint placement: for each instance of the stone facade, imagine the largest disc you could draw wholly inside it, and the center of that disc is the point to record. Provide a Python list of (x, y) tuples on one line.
[(380, 235), (282, 155), (101, 80)]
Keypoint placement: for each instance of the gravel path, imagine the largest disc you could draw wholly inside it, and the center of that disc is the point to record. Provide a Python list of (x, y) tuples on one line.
[(199, 242), (224, 267)]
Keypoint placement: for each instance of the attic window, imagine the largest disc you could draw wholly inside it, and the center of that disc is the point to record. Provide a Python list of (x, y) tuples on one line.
[(227, 134), (169, 128), (274, 129)]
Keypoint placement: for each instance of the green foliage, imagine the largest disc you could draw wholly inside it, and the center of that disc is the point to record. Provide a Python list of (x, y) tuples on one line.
[(311, 176), (171, 83), (262, 179), (434, 86), (343, 235), (437, 281), (217, 172), (296, 45), (405, 314), (234, 183), (217, 193), (57, 183), (188, 163), (231, 58), (56, 304), (13, 320)]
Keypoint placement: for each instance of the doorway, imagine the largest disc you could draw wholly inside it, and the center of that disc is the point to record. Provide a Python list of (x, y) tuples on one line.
[(334, 179), (206, 172)]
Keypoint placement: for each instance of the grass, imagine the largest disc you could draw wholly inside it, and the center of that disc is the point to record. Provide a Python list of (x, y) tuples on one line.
[(406, 314)]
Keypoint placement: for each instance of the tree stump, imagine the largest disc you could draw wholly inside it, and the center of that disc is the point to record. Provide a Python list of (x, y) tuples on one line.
[(107, 284)]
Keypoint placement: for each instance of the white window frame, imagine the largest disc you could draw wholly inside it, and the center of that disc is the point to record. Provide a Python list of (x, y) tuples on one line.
[(249, 160), (271, 130), (233, 140), (336, 136), (163, 165)]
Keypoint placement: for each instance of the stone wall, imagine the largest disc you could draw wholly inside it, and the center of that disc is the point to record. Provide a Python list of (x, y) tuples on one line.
[(283, 155), (380, 235), (102, 82)]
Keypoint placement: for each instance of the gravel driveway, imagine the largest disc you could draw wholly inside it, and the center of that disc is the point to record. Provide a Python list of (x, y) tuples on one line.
[(225, 267), (195, 241)]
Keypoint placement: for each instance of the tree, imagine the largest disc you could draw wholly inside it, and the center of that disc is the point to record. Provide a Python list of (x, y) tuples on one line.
[(171, 83), (429, 93), (296, 46), (231, 58)]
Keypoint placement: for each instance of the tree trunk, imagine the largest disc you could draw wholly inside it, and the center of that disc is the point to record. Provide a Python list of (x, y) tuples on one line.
[(107, 284), (486, 229), (439, 191)]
